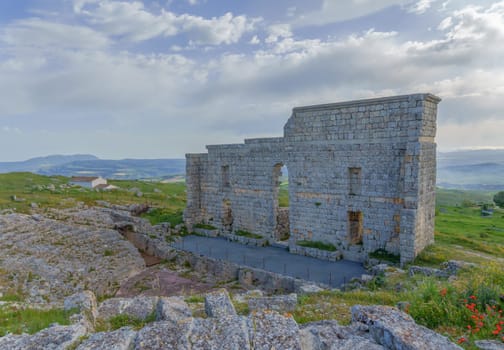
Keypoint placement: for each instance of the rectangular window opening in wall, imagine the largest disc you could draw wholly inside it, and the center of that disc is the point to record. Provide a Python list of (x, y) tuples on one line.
[(354, 175), (225, 177), (355, 227)]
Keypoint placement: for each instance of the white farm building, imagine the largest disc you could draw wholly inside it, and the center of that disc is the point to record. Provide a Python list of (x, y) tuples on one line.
[(88, 181)]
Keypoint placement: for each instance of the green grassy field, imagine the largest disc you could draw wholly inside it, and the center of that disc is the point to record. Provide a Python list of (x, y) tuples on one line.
[(449, 197), (169, 198), (19, 320)]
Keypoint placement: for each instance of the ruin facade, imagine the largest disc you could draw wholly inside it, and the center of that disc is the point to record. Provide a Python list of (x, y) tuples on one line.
[(361, 174)]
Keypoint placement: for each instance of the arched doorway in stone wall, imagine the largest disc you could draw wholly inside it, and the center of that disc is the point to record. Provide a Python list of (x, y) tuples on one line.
[(281, 202), (227, 216)]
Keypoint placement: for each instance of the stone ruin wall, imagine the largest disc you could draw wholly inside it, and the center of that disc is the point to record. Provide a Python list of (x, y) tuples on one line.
[(362, 177)]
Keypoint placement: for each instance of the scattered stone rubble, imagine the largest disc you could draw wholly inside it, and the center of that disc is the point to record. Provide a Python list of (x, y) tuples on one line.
[(448, 269), (489, 345), (174, 327)]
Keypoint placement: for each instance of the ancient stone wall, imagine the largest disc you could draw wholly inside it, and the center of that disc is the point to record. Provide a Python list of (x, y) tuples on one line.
[(361, 177)]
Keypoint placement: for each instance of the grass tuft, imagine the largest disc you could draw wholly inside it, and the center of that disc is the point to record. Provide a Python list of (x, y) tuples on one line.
[(248, 234), (18, 320)]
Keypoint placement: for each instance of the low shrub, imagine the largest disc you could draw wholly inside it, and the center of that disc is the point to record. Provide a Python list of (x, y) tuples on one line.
[(382, 254), (318, 245), (205, 226)]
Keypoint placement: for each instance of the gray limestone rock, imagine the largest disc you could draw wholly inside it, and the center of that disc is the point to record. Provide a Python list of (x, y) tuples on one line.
[(270, 330), (172, 309), (164, 335), (427, 271), (218, 304), (244, 297), (489, 345), (366, 278), (46, 248), (121, 339), (224, 333), (452, 267), (84, 302), (140, 307), (280, 303), (397, 331), (309, 288), (52, 338), (329, 335)]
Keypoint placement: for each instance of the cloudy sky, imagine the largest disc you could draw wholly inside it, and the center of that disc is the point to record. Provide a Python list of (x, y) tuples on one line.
[(158, 79)]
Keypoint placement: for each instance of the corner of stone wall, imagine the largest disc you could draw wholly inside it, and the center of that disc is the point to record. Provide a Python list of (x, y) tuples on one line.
[(195, 171), (417, 217)]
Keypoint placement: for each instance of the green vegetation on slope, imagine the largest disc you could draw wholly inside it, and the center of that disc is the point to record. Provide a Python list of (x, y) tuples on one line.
[(450, 197), (29, 188), (465, 227), (283, 195)]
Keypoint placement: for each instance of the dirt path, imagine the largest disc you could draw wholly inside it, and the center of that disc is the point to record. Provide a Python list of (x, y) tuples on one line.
[(160, 281)]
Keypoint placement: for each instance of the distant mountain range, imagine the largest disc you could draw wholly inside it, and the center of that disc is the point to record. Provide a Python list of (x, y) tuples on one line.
[(89, 165), (471, 169), (474, 169)]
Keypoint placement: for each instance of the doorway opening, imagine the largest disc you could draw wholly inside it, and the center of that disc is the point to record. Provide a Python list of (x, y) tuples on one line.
[(227, 216), (355, 227), (281, 202)]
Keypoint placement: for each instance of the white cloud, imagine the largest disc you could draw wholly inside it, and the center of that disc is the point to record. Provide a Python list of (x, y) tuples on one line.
[(291, 11), (132, 21), (445, 23), (421, 6), (278, 31), (164, 98), (11, 130), (336, 11), (487, 133), (255, 40), (226, 29), (36, 32), (78, 5)]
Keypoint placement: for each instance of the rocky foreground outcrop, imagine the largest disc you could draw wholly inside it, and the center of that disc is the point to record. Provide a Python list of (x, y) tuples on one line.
[(45, 259), (172, 326)]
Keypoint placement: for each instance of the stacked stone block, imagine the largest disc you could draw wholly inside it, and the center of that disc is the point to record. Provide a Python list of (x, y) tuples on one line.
[(386, 143)]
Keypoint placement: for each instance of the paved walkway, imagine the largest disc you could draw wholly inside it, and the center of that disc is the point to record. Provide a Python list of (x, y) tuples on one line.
[(274, 259)]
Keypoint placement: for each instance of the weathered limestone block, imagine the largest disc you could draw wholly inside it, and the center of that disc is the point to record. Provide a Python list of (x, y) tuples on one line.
[(85, 302), (489, 344), (396, 330), (329, 335), (224, 333), (172, 309), (279, 303), (218, 304), (427, 271), (164, 335), (121, 339), (56, 337), (140, 307), (270, 330)]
